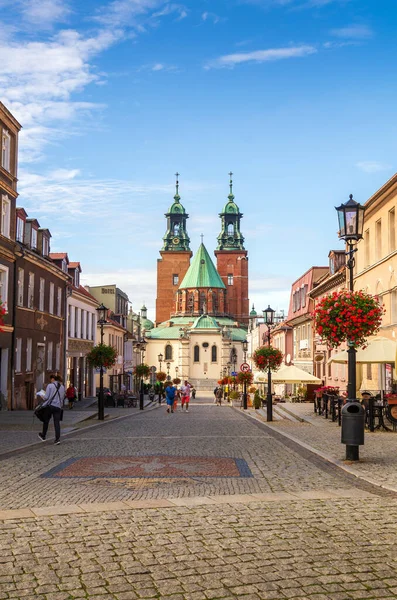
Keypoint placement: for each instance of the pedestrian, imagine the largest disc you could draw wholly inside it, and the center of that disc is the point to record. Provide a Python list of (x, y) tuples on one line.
[(218, 396), (193, 391), (170, 393), (185, 395), (177, 397), (54, 397), (215, 391), (71, 395)]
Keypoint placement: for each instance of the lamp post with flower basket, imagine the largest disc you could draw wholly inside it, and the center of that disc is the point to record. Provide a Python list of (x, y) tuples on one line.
[(268, 358)]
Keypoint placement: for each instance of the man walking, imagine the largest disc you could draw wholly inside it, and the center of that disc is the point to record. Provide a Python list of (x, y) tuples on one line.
[(54, 397), (170, 392), (185, 395)]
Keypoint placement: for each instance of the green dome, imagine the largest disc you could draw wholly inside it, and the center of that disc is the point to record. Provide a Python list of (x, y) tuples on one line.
[(176, 207), (231, 208), (147, 324), (253, 312)]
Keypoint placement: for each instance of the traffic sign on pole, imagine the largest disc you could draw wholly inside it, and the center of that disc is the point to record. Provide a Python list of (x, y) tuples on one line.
[(245, 368), (234, 373)]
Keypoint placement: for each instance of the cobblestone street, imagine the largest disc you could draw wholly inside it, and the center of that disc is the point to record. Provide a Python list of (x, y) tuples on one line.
[(196, 506)]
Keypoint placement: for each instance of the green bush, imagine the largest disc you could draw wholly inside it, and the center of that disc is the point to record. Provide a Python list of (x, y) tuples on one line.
[(257, 400)]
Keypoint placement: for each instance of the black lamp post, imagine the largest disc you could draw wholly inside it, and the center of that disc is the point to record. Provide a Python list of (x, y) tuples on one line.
[(268, 318), (160, 359), (245, 350), (351, 223), (102, 314), (142, 347), (168, 370)]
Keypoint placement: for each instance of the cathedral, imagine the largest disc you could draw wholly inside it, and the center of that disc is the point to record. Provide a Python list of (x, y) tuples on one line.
[(201, 309)]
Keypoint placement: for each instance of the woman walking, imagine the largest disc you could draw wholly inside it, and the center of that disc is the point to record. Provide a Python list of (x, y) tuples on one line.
[(54, 397)]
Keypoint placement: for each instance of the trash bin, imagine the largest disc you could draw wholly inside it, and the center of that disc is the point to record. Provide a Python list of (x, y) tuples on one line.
[(353, 421)]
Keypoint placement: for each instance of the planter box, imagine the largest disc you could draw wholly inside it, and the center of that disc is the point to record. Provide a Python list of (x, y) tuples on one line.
[(392, 399)]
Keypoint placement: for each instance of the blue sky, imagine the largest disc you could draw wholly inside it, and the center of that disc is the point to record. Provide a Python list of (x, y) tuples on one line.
[(296, 97)]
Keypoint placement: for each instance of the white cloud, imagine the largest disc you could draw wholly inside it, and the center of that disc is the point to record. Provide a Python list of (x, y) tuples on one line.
[(372, 166), (209, 16), (355, 32), (42, 14), (260, 56), (169, 9)]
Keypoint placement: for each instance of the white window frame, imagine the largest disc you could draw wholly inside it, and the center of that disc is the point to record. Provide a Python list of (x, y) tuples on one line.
[(5, 216), (45, 246), (41, 294), (31, 290), (33, 239), (50, 346), (18, 355), (76, 278), (51, 299), (20, 286), (230, 279), (20, 229), (6, 150), (59, 301), (3, 284), (58, 357), (29, 355)]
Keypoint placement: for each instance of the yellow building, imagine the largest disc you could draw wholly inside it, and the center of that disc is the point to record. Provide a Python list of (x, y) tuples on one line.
[(376, 269)]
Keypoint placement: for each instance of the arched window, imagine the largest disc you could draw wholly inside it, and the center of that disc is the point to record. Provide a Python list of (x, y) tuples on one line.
[(202, 302), (215, 305), (196, 357), (168, 352), (230, 229), (214, 353), (190, 302), (176, 228)]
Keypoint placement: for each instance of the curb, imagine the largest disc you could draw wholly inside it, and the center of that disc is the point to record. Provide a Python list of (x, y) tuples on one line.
[(29, 447), (335, 462)]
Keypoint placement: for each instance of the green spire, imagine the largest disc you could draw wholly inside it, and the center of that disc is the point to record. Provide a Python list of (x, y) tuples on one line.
[(202, 272), (230, 237), (176, 237)]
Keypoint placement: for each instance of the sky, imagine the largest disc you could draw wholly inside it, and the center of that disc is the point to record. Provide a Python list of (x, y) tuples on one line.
[(296, 97)]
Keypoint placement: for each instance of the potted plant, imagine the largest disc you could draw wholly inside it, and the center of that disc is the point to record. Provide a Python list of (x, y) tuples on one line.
[(102, 355), (234, 395), (347, 316)]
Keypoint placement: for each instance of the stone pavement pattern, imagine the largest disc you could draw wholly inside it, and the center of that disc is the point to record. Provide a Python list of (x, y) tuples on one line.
[(378, 456), (315, 533)]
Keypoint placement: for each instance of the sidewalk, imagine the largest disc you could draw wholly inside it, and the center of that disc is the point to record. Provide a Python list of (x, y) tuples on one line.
[(19, 428), (378, 457)]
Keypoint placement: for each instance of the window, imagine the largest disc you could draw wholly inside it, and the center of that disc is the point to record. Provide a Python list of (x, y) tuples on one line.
[(392, 230), (230, 229), (31, 291), (33, 242), (367, 249), (303, 295), (64, 266), (20, 229), (394, 306), (29, 354), (45, 246), (196, 352), (69, 321), (49, 356), (93, 327), (82, 323), (51, 302), (230, 279), (215, 305), (369, 371), (202, 307), (168, 352), (76, 278), (175, 279), (76, 322), (190, 302), (5, 150), (59, 302), (378, 239), (214, 354), (21, 276), (18, 355), (5, 216), (41, 294), (176, 229), (58, 357)]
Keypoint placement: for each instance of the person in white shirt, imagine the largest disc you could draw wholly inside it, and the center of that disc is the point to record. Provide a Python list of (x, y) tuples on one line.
[(185, 395), (54, 397)]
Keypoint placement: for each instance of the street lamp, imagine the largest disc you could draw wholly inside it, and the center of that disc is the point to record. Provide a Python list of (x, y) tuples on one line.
[(351, 224), (268, 318), (168, 370), (142, 347), (176, 371), (245, 350), (160, 359), (102, 314)]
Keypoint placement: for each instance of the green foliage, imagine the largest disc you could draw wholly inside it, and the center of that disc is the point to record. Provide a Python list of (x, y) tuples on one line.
[(142, 371), (257, 400), (102, 355)]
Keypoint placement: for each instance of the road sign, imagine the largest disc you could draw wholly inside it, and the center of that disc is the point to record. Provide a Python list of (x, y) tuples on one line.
[(153, 369), (234, 373), (98, 370), (245, 368)]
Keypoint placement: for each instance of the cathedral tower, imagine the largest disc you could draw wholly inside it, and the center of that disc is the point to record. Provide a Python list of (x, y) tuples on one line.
[(232, 260), (175, 258)]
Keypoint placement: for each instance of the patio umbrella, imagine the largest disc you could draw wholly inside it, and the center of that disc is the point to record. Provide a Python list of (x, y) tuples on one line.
[(380, 350), (293, 374)]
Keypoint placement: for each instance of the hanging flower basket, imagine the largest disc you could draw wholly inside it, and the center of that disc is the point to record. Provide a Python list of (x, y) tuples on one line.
[(102, 355), (267, 357), (347, 317), (142, 371), (245, 377), (177, 381), (161, 376)]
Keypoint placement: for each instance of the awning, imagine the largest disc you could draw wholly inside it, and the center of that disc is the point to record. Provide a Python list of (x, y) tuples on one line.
[(292, 374), (380, 350)]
